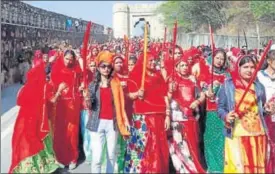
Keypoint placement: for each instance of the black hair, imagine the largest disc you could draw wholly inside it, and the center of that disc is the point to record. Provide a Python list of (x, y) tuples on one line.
[(261, 51), (176, 47), (70, 52), (220, 50), (45, 50), (243, 52), (246, 59), (97, 77), (118, 57), (271, 55), (206, 51), (133, 58), (103, 46), (250, 51)]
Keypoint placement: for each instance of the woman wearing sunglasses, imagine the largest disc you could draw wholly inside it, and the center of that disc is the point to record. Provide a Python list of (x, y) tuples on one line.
[(106, 101)]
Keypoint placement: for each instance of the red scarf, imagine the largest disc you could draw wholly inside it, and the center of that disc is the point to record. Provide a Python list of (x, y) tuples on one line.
[(31, 126), (154, 94)]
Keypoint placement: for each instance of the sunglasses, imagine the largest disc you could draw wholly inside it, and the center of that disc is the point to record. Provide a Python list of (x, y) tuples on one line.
[(103, 66)]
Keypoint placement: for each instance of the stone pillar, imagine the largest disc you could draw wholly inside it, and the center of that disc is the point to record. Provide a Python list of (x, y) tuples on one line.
[(120, 20)]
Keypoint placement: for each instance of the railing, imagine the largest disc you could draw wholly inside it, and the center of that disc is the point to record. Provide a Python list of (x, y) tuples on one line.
[(19, 13), (186, 40)]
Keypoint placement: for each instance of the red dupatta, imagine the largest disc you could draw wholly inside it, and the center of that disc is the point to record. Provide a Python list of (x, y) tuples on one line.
[(31, 126), (71, 76), (124, 70), (155, 88), (169, 62)]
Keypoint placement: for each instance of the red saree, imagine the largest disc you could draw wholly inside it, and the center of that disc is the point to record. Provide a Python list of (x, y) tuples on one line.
[(66, 121), (184, 144), (148, 145), (31, 126)]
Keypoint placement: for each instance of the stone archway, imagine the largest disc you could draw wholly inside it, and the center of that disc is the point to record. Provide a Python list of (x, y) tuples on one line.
[(126, 16)]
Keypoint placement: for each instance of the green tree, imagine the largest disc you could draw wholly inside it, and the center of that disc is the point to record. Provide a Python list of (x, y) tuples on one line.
[(192, 15), (261, 10)]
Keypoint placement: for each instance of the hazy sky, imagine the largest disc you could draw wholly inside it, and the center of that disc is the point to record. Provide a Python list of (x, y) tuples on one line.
[(96, 11)]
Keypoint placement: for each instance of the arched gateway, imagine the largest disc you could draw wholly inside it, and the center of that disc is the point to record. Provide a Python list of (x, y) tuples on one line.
[(125, 17)]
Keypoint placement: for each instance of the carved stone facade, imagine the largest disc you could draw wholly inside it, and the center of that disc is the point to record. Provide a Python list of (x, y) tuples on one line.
[(125, 16)]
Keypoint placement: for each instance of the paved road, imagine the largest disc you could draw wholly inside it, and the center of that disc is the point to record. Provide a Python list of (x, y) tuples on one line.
[(8, 97), (8, 116), (7, 124)]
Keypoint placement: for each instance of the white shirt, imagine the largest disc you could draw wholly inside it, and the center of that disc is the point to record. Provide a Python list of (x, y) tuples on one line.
[(76, 23), (268, 83)]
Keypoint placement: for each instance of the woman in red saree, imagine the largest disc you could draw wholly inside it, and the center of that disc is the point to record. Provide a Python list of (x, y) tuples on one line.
[(147, 148), (66, 76), (167, 61), (131, 62), (185, 97), (32, 150)]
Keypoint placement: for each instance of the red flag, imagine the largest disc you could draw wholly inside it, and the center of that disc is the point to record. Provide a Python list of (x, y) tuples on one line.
[(164, 39), (85, 51), (174, 44), (213, 49), (126, 42)]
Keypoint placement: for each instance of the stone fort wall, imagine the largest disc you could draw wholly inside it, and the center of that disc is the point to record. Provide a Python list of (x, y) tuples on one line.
[(23, 25)]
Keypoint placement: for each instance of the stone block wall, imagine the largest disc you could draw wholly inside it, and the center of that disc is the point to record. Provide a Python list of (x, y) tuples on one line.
[(23, 25)]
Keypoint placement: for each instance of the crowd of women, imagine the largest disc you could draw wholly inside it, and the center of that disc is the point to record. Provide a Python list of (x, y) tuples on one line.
[(147, 112)]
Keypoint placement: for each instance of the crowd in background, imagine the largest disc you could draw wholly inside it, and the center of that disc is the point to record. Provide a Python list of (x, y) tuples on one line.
[(178, 116)]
